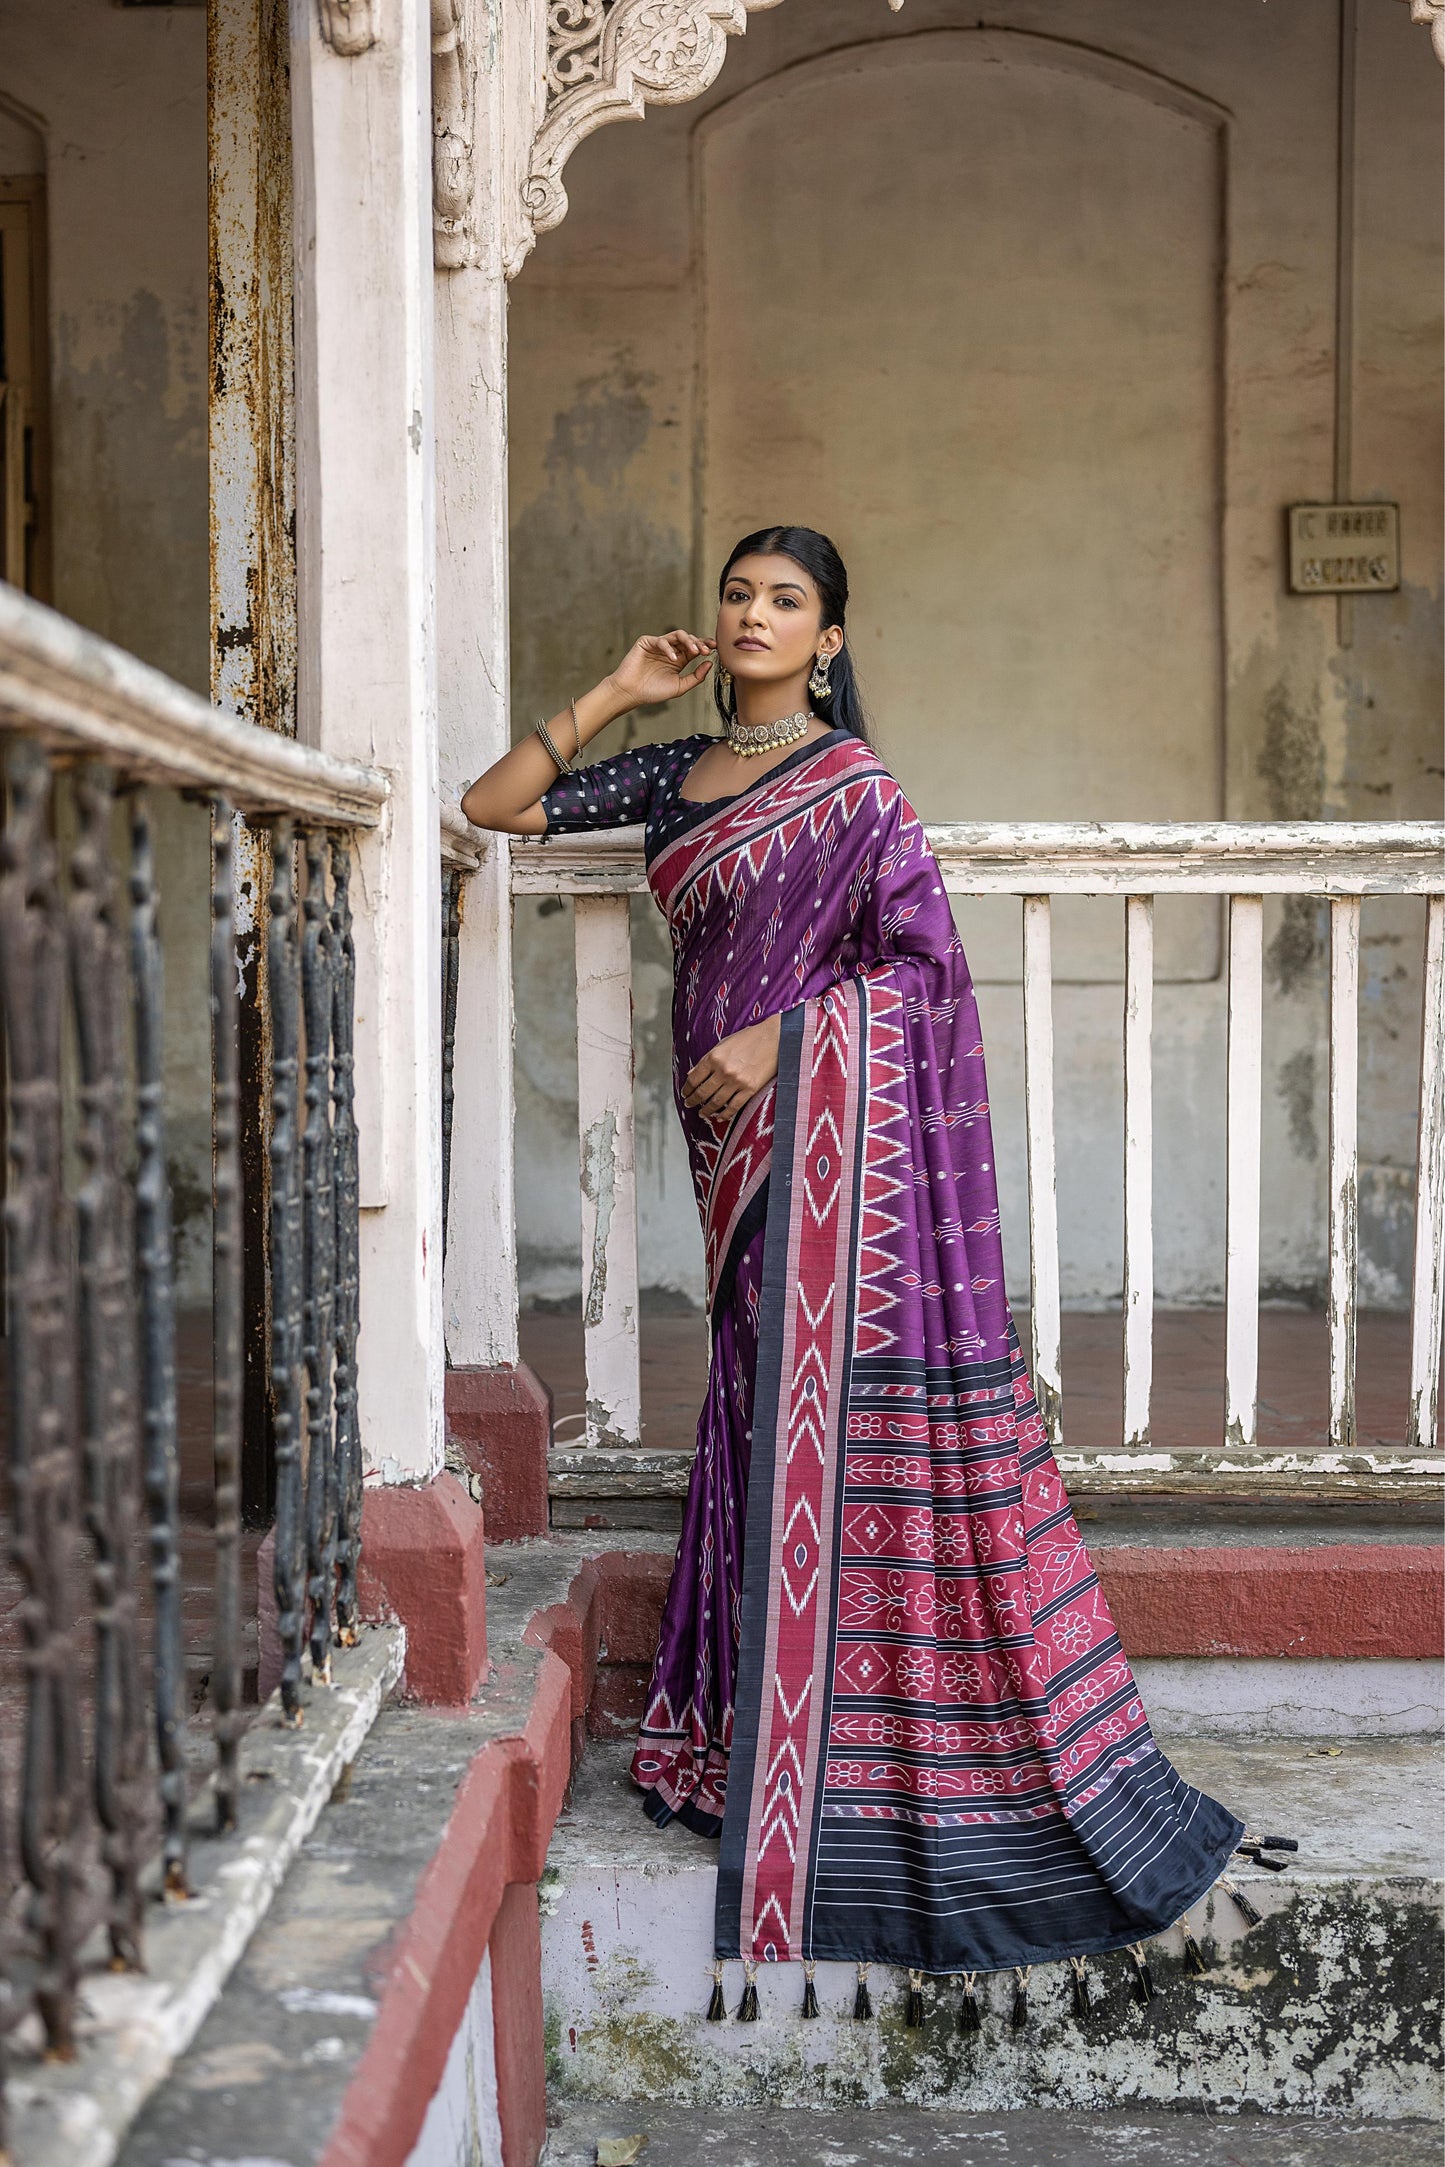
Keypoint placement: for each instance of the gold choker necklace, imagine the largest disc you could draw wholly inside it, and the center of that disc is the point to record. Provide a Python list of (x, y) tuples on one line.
[(748, 739)]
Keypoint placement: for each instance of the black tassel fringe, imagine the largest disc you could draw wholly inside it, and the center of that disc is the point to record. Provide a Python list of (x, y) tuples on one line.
[(1083, 2000), (748, 2006), (915, 2000), (1193, 1954), (862, 2000), (1143, 1977), (717, 2008), (810, 1996), (1240, 1901), (970, 2021), (1021, 1997)]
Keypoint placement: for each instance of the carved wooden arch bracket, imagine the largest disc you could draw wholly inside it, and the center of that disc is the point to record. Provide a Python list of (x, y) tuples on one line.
[(348, 26), (611, 59), (1431, 12), (453, 172)]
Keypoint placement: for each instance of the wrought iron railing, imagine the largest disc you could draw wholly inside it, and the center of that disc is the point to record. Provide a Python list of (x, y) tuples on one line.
[(101, 1762), (461, 847)]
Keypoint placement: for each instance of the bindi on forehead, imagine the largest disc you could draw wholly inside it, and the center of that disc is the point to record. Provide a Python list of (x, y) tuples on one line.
[(789, 584)]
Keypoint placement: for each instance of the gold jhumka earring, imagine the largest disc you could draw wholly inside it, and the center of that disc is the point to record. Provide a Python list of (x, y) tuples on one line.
[(818, 684)]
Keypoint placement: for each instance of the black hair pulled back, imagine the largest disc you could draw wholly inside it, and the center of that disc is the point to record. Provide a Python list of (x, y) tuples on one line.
[(842, 706)]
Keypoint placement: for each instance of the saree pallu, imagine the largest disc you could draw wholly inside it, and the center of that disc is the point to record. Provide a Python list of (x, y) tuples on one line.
[(933, 1753)]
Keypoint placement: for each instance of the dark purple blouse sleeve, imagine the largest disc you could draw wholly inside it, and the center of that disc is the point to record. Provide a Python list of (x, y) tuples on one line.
[(615, 793)]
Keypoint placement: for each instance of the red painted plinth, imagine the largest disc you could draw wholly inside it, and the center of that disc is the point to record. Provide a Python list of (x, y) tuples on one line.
[(500, 1421), (422, 1562), (1351, 1601)]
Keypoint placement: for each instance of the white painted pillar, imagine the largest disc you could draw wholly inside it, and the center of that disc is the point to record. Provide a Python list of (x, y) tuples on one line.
[(1242, 1177), (605, 1126), (473, 673), (361, 119), (1344, 1163), (1138, 1166), (1044, 1319)]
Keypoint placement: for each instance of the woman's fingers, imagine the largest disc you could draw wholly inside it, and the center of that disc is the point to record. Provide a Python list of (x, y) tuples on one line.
[(712, 1092), (705, 1083), (682, 645)]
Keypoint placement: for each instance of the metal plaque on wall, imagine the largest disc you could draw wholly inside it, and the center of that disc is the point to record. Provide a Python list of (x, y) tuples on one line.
[(1344, 548)]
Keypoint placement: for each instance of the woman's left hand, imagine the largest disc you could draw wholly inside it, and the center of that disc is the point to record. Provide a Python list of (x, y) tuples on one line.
[(735, 1071)]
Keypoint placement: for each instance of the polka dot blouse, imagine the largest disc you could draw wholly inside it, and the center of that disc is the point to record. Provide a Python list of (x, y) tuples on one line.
[(644, 786), (640, 787)]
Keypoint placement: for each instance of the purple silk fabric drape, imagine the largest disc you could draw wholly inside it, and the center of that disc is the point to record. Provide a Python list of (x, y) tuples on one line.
[(887, 1675)]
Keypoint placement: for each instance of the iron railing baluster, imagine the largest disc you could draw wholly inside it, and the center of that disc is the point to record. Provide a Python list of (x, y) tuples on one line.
[(347, 1190), (318, 1178), (226, 1310), (287, 1290), (156, 1281), (451, 958), (108, 1356), (44, 1475)]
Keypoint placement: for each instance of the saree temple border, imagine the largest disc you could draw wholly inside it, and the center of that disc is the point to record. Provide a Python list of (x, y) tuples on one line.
[(1339, 863)]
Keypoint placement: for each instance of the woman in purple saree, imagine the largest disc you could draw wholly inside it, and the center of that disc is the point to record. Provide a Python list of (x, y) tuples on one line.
[(887, 1676)]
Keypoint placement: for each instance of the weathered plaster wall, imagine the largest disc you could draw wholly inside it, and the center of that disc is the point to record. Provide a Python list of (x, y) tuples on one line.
[(118, 98), (1048, 343)]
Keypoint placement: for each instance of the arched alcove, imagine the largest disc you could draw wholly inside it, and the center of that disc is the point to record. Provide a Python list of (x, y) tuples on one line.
[(959, 305), (955, 296)]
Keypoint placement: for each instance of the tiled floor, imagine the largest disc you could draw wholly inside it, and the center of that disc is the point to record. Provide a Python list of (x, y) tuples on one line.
[(1188, 1403)]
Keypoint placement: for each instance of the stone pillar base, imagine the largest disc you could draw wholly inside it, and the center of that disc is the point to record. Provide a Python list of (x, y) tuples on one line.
[(499, 1421), (422, 1561)]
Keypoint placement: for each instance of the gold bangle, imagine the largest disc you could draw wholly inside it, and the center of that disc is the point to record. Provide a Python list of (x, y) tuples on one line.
[(564, 767)]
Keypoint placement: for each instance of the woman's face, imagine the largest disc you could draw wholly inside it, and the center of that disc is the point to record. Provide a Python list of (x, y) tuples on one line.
[(769, 621)]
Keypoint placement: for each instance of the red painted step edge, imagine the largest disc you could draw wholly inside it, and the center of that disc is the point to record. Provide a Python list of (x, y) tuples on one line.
[(1366, 1600), (497, 1834), (495, 1838), (1343, 1600)]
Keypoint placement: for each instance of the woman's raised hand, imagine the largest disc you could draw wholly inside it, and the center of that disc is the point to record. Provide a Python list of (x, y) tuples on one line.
[(660, 666)]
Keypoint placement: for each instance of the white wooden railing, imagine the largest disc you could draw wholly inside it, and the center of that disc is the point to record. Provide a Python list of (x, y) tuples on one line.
[(1241, 862)]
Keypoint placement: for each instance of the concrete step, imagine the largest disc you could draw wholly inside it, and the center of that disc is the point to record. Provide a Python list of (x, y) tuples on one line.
[(1331, 2005), (932, 2137)]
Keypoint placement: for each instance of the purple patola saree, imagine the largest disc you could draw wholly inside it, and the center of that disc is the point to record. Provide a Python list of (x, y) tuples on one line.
[(887, 1675)]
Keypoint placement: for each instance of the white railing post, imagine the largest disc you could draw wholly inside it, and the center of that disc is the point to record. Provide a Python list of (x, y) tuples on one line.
[(1427, 1306), (1043, 1197), (1241, 1238), (603, 931), (1138, 1166), (1344, 1163)]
